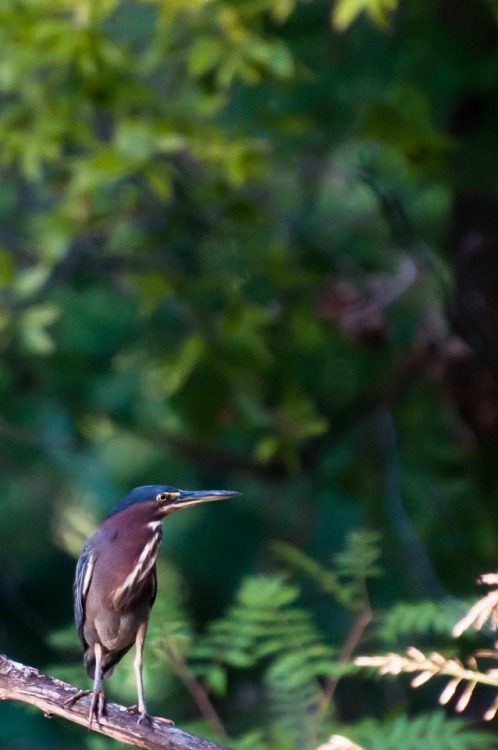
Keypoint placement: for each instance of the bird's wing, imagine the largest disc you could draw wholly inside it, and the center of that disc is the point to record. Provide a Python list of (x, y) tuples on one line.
[(154, 586), (84, 570)]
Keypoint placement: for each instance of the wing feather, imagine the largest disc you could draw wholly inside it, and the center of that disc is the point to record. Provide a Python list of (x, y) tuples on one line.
[(84, 570), (154, 586)]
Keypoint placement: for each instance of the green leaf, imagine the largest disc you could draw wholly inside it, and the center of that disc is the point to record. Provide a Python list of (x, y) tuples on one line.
[(180, 366), (345, 12), (33, 328), (133, 139), (216, 680), (267, 448), (7, 269), (152, 288), (205, 54)]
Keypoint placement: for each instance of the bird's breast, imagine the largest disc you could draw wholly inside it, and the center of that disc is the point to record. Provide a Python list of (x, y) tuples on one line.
[(133, 567)]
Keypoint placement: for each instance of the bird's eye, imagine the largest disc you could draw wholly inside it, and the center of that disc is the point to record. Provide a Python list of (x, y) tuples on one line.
[(163, 497)]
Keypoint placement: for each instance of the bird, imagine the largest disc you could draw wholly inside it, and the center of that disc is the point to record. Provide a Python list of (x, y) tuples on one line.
[(115, 584)]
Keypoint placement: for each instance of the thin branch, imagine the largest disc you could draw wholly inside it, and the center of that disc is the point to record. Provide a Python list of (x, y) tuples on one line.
[(195, 688), (359, 626), (328, 691), (22, 683)]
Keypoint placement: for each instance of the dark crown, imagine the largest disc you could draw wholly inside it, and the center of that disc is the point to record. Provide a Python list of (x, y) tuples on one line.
[(140, 495)]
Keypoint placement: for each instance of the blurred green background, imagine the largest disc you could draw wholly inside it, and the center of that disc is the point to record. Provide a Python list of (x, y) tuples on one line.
[(246, 244)]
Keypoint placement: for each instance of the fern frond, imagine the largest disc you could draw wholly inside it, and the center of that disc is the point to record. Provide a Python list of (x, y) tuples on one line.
[(360, 557), (265, 627), (420, 618), (323, 576), (432, 731), (349, 570), (263, 622)]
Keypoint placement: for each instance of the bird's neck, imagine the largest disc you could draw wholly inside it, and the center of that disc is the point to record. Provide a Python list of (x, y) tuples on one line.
[(135, 555)]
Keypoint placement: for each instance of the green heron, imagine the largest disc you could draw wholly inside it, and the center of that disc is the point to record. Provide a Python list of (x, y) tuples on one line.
[(116, 583)]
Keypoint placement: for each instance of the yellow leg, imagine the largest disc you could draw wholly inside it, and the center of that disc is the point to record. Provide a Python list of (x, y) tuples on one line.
[(97, 708), (141, 708)]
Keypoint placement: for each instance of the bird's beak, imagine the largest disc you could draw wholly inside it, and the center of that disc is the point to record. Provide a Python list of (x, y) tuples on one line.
[(188, 497)]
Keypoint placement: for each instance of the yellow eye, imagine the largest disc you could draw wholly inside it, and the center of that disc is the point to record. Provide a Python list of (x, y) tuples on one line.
[(164, 497)]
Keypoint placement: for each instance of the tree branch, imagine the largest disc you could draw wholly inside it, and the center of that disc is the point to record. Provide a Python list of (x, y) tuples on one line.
[(22, 683)]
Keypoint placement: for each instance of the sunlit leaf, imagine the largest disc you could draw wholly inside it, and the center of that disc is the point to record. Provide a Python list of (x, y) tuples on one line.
[(345, 12)]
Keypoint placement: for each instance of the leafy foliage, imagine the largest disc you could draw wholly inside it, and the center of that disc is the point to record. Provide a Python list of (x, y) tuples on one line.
[(265, 627), (265, 632), (436, 665), (236, 240), (420, 618), (432, 731), (346, 11), (345, 579)]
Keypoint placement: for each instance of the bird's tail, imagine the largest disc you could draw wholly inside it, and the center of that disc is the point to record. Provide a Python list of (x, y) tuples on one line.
[(89, 661)]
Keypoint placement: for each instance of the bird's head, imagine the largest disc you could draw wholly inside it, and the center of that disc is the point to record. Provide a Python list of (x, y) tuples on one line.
[(156, 501)]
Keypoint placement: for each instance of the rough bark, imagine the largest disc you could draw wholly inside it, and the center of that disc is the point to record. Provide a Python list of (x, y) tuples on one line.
[(22, 683)]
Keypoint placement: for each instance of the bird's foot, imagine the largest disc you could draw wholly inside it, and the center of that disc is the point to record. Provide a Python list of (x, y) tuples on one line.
[(145, 718), (97, 707), (80, 694), (161, 719)]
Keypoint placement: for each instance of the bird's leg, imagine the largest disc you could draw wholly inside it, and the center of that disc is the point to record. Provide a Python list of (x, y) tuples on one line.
[(97, 708), (138, 667)]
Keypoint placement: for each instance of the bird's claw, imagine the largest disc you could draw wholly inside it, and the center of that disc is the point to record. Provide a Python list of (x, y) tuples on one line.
[(97, 708), (169, 722), (146, 718)]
